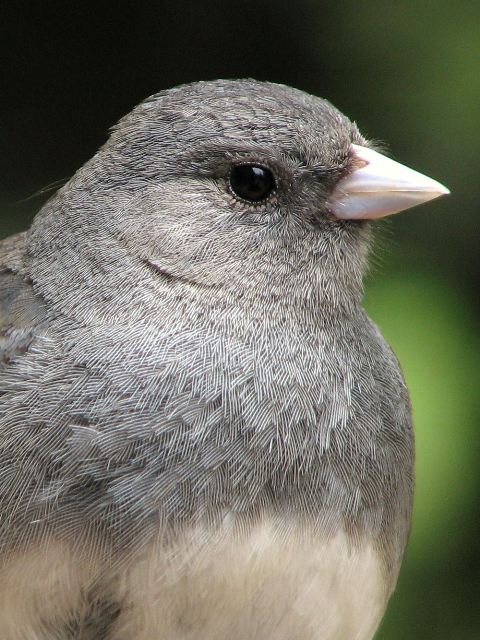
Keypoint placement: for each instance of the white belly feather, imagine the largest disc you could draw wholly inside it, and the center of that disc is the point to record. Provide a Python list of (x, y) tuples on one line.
[(256, 588)]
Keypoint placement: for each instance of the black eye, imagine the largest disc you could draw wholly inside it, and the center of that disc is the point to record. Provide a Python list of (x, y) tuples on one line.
[(251, 182)]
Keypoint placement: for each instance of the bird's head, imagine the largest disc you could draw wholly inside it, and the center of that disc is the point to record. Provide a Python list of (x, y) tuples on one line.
[(245, 187)]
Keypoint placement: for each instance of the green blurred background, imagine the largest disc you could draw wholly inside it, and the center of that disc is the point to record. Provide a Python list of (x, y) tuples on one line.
[(409, 74)]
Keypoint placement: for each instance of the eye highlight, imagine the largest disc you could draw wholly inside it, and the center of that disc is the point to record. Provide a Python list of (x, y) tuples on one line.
[(251, 182)]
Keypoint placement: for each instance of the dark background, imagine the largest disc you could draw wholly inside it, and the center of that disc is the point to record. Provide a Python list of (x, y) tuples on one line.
[(408, 73)]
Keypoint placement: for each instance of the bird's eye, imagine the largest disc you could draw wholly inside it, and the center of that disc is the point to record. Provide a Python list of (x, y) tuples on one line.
[(251, 182)]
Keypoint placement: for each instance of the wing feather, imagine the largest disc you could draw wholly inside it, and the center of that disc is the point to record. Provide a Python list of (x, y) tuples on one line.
[(21, 310)]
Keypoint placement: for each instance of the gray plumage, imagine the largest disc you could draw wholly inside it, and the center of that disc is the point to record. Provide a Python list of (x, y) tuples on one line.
[(181, 369)]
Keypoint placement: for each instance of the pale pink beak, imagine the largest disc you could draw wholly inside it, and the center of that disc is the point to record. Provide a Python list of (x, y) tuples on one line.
[(380, 187)]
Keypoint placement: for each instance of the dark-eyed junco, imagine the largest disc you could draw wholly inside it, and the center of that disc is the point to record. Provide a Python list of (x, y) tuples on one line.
[(202, 434)]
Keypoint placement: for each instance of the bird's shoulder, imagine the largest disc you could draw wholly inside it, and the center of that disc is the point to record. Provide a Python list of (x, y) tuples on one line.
[(21, 310)]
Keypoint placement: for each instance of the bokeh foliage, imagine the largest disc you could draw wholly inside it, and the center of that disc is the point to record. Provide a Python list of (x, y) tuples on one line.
[(409, 74)]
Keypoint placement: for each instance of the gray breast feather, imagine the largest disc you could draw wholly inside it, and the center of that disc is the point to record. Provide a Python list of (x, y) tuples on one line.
[(116, 427)]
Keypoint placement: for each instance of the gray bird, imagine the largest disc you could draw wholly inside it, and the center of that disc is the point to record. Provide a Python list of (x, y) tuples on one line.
[(203, 436)]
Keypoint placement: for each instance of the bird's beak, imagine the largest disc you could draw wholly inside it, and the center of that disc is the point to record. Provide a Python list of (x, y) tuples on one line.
[(380, 187)]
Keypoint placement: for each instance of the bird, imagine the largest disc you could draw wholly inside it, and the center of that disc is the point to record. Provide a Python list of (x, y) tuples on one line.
[(202, 433)]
